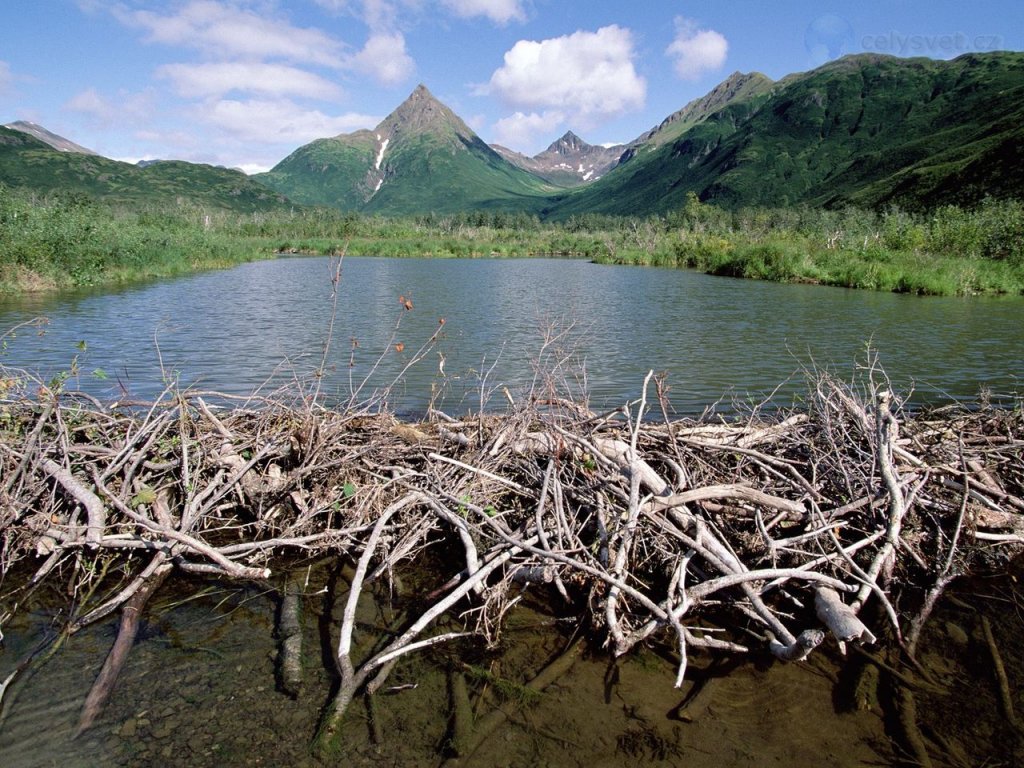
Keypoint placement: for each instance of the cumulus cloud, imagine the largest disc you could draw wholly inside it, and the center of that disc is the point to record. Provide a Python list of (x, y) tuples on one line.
[(498, 11), (384, 58), (586, 75), (219, 78), (519, 129), (696, 51), (280, 121), (227, 31)]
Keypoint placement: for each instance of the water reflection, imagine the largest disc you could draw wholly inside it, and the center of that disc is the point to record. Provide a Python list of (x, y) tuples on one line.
[(265, 323)]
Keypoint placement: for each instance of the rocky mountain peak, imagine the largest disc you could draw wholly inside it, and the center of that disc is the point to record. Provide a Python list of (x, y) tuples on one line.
[(422, 113), (47, 137), (569, 144), (568, 162)]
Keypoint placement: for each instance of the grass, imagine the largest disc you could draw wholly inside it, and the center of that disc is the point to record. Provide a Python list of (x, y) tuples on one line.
[(949, 252), (63, 241), (66, 241)]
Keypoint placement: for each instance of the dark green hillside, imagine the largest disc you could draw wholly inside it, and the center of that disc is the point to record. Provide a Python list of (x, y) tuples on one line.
[(28, 163), (866, 129)]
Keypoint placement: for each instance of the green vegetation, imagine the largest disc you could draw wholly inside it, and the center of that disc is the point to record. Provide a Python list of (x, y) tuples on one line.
[(950, 251), (69, 240)]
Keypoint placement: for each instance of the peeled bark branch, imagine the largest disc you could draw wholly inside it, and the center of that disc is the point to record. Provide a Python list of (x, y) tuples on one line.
[(95, 510)]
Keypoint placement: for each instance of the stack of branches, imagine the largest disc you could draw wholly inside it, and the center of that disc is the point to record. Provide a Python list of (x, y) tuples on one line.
[(765, 533)]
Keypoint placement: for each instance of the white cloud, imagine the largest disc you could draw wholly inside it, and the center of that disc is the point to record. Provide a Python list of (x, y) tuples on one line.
[(519, 129), (587, 75), (227, 31), (384, 59), (696, 51), (219, 78), (134, 108), (280, 121), (498, 11)]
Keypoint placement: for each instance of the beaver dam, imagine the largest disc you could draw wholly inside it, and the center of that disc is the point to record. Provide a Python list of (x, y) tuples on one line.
[(445, 586)]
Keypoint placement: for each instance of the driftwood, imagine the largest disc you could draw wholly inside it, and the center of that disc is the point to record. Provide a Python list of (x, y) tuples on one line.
[(750, 536), (289, 635)]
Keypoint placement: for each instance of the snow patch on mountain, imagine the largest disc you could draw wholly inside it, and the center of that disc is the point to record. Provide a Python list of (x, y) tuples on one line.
[(380, 153)]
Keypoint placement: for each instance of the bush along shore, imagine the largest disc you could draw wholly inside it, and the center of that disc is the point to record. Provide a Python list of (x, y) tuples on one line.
[(768, 536), (66, 241)]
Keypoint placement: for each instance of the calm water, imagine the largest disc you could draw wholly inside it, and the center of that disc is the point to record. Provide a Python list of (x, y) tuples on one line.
[(264, 324)]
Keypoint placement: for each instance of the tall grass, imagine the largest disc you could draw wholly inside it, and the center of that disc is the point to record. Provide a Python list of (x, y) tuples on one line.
[(65, 240), (950, 251)]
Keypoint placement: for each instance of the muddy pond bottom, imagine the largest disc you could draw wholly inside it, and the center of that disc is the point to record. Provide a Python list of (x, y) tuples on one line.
[(200, 690)]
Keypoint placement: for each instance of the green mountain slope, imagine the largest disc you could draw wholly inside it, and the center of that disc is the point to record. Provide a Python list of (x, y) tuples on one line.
[(738, 87), (421, 158), (28, 163), (865, 129)]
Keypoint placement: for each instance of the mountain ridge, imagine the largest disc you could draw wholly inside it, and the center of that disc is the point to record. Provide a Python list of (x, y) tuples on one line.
[(868, 130), (568, 161), (421, 157), (27, 162)]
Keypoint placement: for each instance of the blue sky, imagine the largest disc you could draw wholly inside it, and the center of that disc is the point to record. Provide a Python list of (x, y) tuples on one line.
[(244, 82)]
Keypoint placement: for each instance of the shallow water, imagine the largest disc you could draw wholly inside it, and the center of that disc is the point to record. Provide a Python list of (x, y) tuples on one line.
[(199, 690)]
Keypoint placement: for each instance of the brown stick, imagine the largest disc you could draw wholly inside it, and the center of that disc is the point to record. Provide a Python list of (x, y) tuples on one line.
[(107, 678), (494, 719), (1005, 698)]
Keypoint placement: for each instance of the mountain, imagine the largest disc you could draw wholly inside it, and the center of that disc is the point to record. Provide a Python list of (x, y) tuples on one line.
[(868, 129), (568, 162), (45, 136), (421, 158), (738, 87), (30, 163)]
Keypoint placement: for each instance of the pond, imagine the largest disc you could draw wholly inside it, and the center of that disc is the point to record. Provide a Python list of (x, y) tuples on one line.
[(520, 324), (200, 687)]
